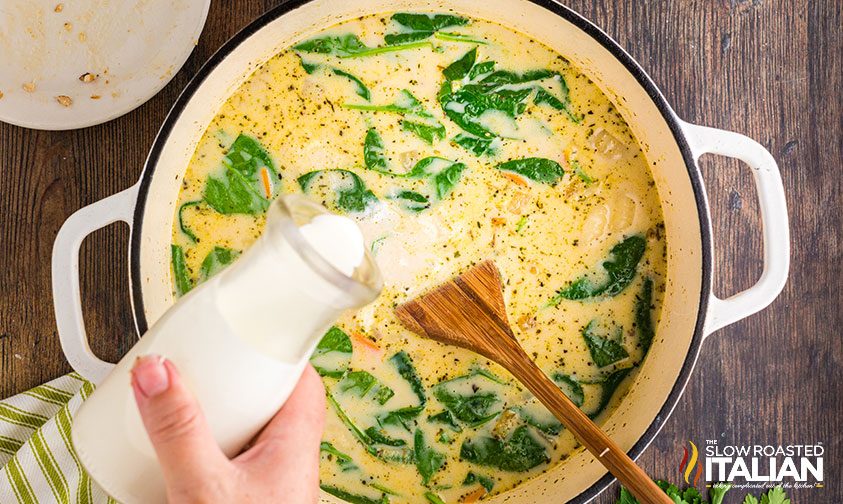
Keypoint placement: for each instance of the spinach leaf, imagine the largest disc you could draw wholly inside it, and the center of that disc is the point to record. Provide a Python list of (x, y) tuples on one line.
[(350, 190), (445, 180), (404, 365), (415, 118), (420, 26), (484, 481), (355, 431), (467, 105), (404, 456), (477, 146), (474, 408), (443, 173), (545, 171), (428, 460), (216, 260), (361, 383), (578, 171), (333, 353), (411, 200), (571, 387), (481, 69), (350, 46), (620, 269), (604, 350), (495, 90), (428, 167), (184, 229), (359, 87), (406, 103), (563, 104), (383, 488), (432, 498), (428, 22), (447, 418), (521, 452), (373, 152), (380, 437), (338, 45), (249, 174), (353, 498), (232, 193), (308, 68), (383, 394), (343, 460), (403, 417), (607, 390), (643, 319), (459, 37), (247, 156), (392, 39), (547, 423), (460, 68), (550, 426), (182, 276), (430, 133), (470, 409)]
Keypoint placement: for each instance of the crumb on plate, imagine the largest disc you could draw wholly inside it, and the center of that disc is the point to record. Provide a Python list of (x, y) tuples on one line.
[(64, 100), (59, 7), (87, 77), (29, 87)]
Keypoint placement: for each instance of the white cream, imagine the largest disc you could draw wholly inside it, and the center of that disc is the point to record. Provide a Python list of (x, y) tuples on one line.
[(240, 342)]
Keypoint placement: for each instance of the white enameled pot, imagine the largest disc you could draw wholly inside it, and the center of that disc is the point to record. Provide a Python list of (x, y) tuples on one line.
[(690, 311)]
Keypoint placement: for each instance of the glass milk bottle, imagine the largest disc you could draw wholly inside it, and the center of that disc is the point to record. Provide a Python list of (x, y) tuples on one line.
[(239, 340)]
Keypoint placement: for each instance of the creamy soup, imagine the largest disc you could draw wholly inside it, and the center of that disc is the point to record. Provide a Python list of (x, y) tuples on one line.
[(450, 141)]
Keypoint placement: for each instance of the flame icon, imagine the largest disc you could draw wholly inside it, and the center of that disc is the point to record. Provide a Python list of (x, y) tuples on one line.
[(686, 467)]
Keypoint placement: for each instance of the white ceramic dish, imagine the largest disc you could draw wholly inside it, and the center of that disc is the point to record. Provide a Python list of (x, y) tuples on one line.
[(690, 311), (130, 48)]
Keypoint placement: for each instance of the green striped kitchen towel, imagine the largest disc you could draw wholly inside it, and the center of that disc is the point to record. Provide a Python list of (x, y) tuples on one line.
[(36, 453)]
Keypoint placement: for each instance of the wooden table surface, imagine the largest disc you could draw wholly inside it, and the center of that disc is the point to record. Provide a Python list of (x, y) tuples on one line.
[(770, 69)]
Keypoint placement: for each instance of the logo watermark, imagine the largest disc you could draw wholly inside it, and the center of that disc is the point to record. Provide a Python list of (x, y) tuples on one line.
[(753, 465)]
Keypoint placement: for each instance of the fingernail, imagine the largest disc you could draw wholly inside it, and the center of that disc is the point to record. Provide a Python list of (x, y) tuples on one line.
[(150, 375)]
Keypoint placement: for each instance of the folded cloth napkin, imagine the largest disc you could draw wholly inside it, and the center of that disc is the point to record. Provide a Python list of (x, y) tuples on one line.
[(36, 452)]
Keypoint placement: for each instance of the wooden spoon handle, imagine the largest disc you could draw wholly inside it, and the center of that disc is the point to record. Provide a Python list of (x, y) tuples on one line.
[(598, 443)]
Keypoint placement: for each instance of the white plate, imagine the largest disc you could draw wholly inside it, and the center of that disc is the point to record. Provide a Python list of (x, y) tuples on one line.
[(132, 48)]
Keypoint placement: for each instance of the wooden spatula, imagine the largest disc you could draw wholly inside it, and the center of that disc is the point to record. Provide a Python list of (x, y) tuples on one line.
[(469, 312)]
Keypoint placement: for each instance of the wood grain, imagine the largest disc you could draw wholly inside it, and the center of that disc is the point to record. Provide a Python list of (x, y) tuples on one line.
[(770, 69), (469, 312)]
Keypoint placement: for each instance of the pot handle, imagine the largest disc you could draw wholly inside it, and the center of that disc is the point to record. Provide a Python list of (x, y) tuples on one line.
[(67, 300), (774, 222)]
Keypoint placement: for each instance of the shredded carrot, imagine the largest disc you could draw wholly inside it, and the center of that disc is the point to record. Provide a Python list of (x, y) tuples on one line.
[(267, 186), (365, 342), (473, 496), (514, 177)]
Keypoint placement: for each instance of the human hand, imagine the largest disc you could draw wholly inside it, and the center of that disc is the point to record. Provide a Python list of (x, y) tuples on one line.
[(281, 465)]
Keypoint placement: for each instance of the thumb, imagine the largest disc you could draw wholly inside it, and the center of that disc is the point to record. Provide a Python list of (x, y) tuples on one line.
[(185, 446)]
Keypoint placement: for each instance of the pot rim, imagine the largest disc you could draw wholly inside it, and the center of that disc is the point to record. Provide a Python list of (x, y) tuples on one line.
[(587, 27)]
